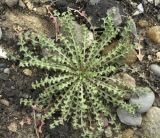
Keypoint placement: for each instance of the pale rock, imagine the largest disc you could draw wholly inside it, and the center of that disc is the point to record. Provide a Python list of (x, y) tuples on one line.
[(145, 99), (158, 55), (4, 102), (158, 17), (11, 3), (13, 127), (126, 79), (0, 33), (156, 2), (144, 1), (151, 123), (7, 71), (116, 15), (108, 132), (133, 28), (94, 2), (3, 54), (27, 72), (79, 35), (155, 69), (139, 10), (150, 1), (128, 118)]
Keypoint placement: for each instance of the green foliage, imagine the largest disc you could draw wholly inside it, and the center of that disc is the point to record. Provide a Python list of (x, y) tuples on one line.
[(80, 88)]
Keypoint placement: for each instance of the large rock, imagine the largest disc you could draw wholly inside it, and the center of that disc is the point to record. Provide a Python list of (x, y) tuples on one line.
[(151, 123), (11, 3), (145, 100), (143, 23), (129, 118), (155, 69), (154, 34)]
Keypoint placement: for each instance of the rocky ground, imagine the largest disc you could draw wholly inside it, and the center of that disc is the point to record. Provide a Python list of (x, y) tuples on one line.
[(142, 70)]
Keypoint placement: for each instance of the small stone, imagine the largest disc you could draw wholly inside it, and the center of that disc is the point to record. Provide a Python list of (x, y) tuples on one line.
[(7, 71), (156, 2), (116, 15), (4, 102), (150, 1), (27, 72), (158, 55), (143, 23), (155, 69), (94, 2), (29, 5), (0, 33), (139, 10), (126, 79), (133, 28), (128, 118), (128, 133), (3, 54), (79, 35), (3, 76), (13, 127), (150, 57), (154, 34), (151, 123), (108, 132), (11, 3), (158, 17), (131, 57), (145, 2), (145, 99), (21, 4), (2, 65), (41, 10), (12, 87)]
